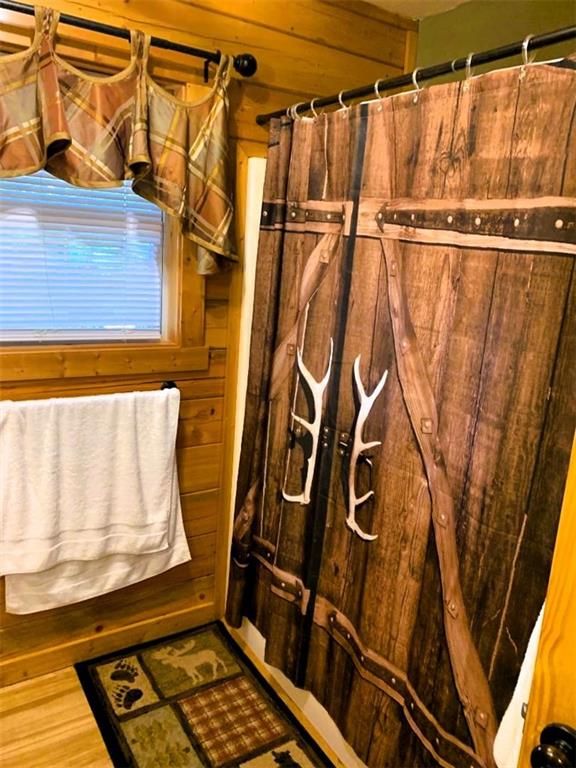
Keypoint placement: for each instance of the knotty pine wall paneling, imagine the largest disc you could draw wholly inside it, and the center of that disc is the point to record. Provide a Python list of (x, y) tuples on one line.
[(304, 48)]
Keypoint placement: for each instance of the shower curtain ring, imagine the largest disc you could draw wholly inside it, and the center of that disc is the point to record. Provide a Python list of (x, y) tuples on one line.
[(469, 66), (376, 91), (294, 110), (416, 86), (452, 66), (525, 44), (468, 72), (344, 106), (315, 114)]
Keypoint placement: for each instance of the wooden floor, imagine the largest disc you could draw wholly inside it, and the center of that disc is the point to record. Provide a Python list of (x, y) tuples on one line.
[(47, 722)]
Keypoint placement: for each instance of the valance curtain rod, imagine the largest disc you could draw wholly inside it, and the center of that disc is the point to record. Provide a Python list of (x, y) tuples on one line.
[(427, 73), (245, 64)]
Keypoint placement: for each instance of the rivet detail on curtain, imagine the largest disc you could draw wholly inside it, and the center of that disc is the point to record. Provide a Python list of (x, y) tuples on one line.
[(373, 667), (381, 673), (539, 224)]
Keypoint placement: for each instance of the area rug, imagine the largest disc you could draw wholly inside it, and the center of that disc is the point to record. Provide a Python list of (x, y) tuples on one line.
[(189, 701)]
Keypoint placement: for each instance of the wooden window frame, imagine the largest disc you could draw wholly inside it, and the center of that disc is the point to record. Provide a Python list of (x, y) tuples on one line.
[(181, 347)]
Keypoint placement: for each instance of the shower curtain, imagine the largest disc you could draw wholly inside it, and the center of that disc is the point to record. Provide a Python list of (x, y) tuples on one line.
[(409, 412)]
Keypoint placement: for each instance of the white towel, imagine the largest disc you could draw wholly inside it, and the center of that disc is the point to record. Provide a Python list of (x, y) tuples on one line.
[(84, 478), (74, 581), (509, 737)]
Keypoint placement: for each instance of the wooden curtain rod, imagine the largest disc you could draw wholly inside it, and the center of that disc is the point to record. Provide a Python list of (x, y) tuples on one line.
[(532, 42), (245, 64)]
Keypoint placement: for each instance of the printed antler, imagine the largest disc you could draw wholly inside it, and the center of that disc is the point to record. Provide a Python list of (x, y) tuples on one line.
[(358, 446), (316, 389)]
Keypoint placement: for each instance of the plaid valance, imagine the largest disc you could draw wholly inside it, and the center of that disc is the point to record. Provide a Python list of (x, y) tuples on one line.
[(99, 131)]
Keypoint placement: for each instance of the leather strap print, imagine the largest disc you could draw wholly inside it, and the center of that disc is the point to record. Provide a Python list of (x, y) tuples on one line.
[(447, 749), (314, 272), (469, 676), (377, 670), (284, 584)]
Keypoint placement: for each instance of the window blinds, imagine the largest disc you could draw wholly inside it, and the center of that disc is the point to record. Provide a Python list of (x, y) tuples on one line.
[(78, 264)]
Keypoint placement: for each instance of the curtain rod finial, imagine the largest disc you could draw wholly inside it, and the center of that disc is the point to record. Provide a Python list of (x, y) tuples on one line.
[(245, 64)]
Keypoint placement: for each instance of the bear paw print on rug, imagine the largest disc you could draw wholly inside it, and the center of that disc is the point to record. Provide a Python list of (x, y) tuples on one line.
[(124, 670), (126, 685), (125, 697)]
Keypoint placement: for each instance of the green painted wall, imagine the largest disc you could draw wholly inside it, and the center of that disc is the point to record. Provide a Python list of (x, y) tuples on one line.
[(483, 24)]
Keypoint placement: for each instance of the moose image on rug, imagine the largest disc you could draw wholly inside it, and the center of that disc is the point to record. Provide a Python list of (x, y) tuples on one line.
[(189, 663), (192, 701)]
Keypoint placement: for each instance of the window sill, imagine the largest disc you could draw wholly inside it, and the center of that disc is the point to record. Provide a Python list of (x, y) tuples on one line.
[(73, 361)]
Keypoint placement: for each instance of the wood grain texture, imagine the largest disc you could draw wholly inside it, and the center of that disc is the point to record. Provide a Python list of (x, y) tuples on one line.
[(70, 363), (144, 613), (48, 722), (21, 632), (469, 676), (200, 422), (190, 388)]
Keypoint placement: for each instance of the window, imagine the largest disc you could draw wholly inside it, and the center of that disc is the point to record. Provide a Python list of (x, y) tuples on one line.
[(78, 264)]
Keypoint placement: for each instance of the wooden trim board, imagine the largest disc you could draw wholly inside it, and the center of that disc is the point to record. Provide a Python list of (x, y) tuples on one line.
[(57, 657)]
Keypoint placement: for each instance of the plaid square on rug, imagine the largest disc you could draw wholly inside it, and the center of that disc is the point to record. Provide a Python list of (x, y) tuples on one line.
[(231, 720), (193, 700)]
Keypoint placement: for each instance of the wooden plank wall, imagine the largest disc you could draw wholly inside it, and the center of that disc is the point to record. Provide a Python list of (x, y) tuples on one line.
[(303, 49)]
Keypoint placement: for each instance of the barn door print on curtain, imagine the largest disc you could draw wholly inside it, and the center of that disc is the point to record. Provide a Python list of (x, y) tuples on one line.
[(413, 335)]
